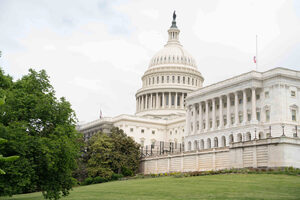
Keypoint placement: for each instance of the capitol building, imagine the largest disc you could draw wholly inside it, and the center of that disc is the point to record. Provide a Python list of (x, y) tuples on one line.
[(250, 120)]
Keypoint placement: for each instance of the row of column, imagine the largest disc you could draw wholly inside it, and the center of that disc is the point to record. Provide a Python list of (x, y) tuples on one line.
[(213, 101), (160, 100)]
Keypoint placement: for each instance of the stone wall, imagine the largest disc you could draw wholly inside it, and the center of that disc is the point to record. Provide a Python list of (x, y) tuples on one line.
[(271, 152)]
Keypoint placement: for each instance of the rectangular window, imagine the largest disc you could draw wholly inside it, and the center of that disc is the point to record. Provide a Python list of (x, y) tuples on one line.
[(240, 101), (218, 106), (173, 100), (178, 79), (267, 95), (183, 80), (192, 81), (197, 125), (157, 80), (232, 103), (258, 116), (131, 129), (167, 79), (225, 120), (173, 79), (225, 104), (153, 132), (248, 99), (293, 93), (294, 117), (240, 118), (152, 80), (267, 115), (142, 131), (257, 97), (162, 79), (232, 119), (188, 80), (249, 117)]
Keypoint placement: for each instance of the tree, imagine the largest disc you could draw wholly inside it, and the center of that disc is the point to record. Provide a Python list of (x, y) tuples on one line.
[(40, 129), (2, 141), (113, 153)]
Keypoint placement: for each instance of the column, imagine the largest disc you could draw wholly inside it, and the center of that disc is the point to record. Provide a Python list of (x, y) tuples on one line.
[(221, 123), (236, 109), (156, 102), (213, 113), (206, 115), (194, 119), (163, 100), (151, 101), (188, 121), (200, 117), (142, 102), (170, 100), (182, 100), (253, 115), (244, 106), (146, 101), (176, 100), (137, 104), (228, 111)]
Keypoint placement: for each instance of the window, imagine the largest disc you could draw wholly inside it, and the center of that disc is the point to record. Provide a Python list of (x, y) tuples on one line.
[(192, 81), (173, 79), (183, 80), (293, 93), (267, 115), (232, 103), (248, 99), (210, 108), (240, 101), (131, 129), (149, 81), (218, 106), (232, 119), (225, 120), (218, 122), (249, 117), (188, 80), (197, 125), (257, 97), (225, 104), (153, 132), (157, 80), (167, 79), (178, 79), (210, 124), (267, 95), (152, 80), (170, 132), (240, 118), (258, 116), (162, 79), (294, 118), (173, 100), (142, 131)]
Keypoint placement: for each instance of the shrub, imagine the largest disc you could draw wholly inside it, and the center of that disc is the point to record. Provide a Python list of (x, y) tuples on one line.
[(87, 181), (115, 177)]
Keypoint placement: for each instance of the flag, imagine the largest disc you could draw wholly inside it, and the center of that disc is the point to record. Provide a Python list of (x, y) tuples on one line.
[(100, 114), (254, 59)]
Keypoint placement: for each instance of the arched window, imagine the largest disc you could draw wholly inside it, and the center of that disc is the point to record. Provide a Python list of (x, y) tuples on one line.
[(189, 146), (216, 142), (239, 137), (208, 143), (248, 136), (223, 141), (231, 140), (261, 135), (202, 144), (195, 145)]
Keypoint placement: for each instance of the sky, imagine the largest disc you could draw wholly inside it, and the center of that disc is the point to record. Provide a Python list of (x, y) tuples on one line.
[(96, 51)]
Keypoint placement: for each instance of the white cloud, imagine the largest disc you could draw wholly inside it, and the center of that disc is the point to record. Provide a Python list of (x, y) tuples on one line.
[(96, 52)]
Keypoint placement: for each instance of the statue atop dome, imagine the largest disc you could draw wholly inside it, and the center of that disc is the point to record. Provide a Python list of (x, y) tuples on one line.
[(174, 20), (174, 16)]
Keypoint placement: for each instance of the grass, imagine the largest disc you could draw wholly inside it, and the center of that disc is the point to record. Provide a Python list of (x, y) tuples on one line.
[(224, 186)]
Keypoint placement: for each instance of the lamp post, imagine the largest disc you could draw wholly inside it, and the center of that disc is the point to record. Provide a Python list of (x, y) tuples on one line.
[(282, 130)]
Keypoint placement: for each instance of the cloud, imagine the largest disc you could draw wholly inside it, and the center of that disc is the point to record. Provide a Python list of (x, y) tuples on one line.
[(97, 51)]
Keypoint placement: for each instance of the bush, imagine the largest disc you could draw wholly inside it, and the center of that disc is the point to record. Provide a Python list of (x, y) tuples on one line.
[(115, 177), (88, 181), (127, 172), (99, 179)]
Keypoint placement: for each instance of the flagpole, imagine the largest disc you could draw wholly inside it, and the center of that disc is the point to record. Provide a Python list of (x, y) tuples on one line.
[(256, 54)]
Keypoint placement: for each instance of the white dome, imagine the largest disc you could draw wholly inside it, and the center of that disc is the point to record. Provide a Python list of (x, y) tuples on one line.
[(172, 54)]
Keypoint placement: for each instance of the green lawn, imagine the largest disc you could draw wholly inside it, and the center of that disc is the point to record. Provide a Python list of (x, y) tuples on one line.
[(235, 186)]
